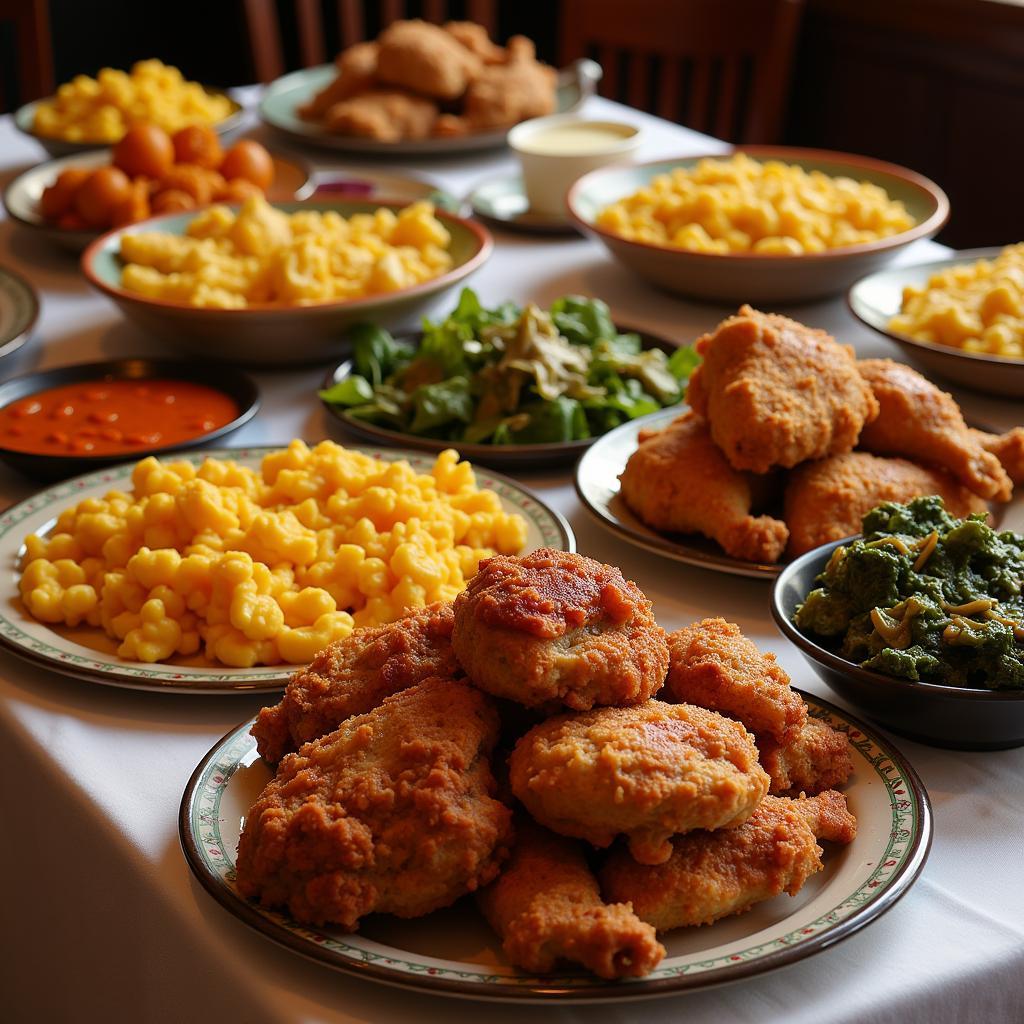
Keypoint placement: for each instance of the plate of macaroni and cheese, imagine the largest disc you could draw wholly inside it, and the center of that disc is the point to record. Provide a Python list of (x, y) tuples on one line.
[(276, 284), (962, 317), (765, 224), (223, 570)]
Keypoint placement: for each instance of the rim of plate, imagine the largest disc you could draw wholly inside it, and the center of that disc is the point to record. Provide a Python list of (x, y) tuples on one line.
[(925, 229), (862, 308), (25, 324), (69, 658), (896, 868), (651, 540)]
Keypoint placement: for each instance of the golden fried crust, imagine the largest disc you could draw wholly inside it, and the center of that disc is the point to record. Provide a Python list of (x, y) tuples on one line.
[(1008, 448), (711, 875), (677, 480), (426, 59), (647, 772), (386, 115), (817, 759), (777, 393), (712, 664), (391, 813), (354, 675), (825, 501), (920, 421), (547, 908), (553, 627)]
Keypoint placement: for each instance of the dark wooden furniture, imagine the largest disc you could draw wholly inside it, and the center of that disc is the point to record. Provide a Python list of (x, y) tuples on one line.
[(33, 50), (265, 38), (719, 66)]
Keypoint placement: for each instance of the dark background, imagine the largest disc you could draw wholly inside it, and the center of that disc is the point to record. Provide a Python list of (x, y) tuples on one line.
[(936, 85)]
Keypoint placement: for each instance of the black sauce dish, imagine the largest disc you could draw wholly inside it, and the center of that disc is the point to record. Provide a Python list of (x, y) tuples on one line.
[(59, 466), (957, 717)]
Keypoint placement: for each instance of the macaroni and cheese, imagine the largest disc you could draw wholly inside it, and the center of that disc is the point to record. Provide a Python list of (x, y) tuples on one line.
[(103, 108), (269, 566), (740, 205), (977, 307), (263, 256)]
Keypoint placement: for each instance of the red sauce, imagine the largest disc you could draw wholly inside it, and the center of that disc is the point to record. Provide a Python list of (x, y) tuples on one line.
[(113, 417)]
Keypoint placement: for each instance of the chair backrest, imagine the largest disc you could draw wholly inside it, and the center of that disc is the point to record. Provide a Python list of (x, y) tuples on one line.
[(33, 48), (719, 66), (264, 26)]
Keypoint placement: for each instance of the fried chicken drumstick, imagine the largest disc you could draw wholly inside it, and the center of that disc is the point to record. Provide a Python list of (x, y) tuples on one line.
[(711, 875), (546, 906)]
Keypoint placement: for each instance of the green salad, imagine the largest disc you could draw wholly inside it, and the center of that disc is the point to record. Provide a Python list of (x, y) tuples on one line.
[(927, 597), (510, 375)]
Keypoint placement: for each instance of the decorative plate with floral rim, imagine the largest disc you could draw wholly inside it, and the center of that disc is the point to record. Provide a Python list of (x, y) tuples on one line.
[(453, 951), (88, 655)]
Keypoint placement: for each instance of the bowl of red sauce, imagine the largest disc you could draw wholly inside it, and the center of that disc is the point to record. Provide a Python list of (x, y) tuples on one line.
[(58, 423)]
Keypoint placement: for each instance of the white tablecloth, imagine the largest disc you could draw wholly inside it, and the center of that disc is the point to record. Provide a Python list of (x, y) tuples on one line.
[(100, 919)]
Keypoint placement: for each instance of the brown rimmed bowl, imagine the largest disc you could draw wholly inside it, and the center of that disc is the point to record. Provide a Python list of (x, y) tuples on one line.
[(759, 277), (958, 717)]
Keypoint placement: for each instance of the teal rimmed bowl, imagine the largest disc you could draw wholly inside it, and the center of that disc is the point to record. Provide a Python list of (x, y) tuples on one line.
[(276, 335), (759, 277)]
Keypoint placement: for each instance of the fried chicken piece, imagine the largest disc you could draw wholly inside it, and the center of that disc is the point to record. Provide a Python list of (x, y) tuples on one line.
[(392, 813), (354, 675), (711, 875), (647, 772), (817, 759), (426, 59), (474, 38), (387, 115), (825, 501), (919, 421), (357, 69), (1008, 448), (777, 393), (713, 665), (678, 481), (546, 906), (553, 627)]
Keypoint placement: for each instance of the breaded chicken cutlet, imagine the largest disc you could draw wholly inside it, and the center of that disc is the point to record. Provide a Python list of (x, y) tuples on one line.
[(546, 906), (647, 772), (393, 812), (711, 875), (354, 675), (553, 627), (818, 758)]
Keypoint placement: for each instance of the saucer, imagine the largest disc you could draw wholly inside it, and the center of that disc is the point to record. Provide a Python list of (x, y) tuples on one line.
[(504, 202)]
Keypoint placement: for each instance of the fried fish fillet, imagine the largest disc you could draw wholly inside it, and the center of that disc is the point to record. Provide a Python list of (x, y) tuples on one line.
[(777, 393), (647, 772), (818, 758), (391, 813), (679, 481), (711, 875), (712, 664), (547, 908), (354, 675)]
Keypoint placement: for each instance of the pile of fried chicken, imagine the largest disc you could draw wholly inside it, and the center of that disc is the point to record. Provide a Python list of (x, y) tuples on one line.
[(419, 80), (781, 414), (543, 744)]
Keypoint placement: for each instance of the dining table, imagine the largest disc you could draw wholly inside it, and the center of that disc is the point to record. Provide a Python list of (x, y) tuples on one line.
[(101, 918)]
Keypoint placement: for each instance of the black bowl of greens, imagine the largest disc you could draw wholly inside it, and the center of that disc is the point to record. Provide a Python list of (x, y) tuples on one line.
[(505, 386), (918, 622)]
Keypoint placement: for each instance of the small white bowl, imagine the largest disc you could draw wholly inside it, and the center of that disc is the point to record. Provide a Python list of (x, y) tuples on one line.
[(555, 151)]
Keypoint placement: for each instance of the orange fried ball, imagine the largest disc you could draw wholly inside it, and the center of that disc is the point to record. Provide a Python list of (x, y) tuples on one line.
[(134, 207), (172, 200), (237, 190), (146, 149), (249, 160), (97, 196), (57, 199), (198, 144), (190, 179)]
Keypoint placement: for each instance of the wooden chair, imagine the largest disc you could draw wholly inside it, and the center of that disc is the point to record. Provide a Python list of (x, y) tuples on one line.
[(718, 66), (33, 49), (264, 27)]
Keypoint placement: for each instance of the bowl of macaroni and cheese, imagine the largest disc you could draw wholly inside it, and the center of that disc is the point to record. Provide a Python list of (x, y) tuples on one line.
[(273, 284), (961, 318), (765, 224)]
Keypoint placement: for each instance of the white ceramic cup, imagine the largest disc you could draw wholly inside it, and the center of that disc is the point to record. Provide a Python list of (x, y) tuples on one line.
[(554, 151)]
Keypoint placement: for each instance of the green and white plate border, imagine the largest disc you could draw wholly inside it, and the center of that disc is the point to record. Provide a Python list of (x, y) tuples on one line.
[(860, 882), (35, 641)]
